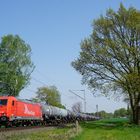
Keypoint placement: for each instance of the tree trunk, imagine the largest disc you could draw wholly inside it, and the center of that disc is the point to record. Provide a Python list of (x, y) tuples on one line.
[(134, 103), (135, 115)]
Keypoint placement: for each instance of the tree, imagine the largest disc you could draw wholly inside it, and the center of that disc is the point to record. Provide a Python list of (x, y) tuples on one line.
[(15, 65), (77, 107), (49, 95), (103, 114), (109, 60), (122, 112)]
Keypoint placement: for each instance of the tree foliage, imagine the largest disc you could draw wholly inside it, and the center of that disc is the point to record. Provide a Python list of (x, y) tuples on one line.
[(15, 65), (103, 114), (110, 57), (49, 95), (122, 112)]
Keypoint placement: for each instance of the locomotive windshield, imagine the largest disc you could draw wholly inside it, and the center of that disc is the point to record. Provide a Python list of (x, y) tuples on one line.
[(3, 102)]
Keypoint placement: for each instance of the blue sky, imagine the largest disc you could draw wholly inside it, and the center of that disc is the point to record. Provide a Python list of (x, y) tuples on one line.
[(54, 30)]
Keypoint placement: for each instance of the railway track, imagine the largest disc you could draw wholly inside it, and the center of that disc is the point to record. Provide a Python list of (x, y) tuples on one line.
[(23, 128), (50, 126)]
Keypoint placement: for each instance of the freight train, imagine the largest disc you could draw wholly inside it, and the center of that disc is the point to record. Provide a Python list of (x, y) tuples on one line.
[(15, 112)]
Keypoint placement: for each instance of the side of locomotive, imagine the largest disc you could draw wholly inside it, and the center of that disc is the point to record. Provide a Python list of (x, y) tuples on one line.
[(18, 112)]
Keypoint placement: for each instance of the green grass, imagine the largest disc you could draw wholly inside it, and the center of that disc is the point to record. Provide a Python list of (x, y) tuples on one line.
[(113, 129), (36, 135), (60, 133)]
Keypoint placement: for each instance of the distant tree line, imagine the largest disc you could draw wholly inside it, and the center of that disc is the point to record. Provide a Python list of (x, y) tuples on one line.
[(119, 113)]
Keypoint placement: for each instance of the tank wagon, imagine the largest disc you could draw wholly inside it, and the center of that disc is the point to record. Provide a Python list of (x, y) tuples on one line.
[(53, 114)]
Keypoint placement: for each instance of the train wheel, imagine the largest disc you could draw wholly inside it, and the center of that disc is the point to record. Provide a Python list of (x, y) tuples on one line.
[(8, 124)]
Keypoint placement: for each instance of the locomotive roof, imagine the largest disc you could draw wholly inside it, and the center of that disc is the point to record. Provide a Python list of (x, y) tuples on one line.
[(23, 100)]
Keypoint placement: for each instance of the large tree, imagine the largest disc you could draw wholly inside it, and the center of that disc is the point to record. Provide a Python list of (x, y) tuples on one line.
[(15, 65), (49, 95), (110, 57)]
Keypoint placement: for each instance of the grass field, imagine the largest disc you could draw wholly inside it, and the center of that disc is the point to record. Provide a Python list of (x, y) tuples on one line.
[(42, 134), (113, 129)]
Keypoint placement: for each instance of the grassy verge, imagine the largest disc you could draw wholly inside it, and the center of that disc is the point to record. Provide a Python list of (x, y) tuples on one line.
[(115, 129), (42, 134)]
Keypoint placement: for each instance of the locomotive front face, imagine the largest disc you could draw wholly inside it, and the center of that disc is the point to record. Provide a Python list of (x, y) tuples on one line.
[(3, 109), (6, 108)]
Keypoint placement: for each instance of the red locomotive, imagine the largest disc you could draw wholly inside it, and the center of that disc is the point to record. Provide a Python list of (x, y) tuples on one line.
[(14, 111)]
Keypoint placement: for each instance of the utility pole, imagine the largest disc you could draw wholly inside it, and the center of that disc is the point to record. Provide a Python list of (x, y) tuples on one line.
[(97, 110), (83, 98)]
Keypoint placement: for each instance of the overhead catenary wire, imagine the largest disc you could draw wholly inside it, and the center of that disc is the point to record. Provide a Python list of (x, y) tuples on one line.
[(43, 83), (43, 75), (33, 91)]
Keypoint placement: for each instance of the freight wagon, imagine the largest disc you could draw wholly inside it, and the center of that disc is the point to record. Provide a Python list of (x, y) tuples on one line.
[(54, 115)]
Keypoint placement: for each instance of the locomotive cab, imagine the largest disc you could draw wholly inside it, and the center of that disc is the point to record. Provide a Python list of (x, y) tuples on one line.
[(6, 107), (14, 111)]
